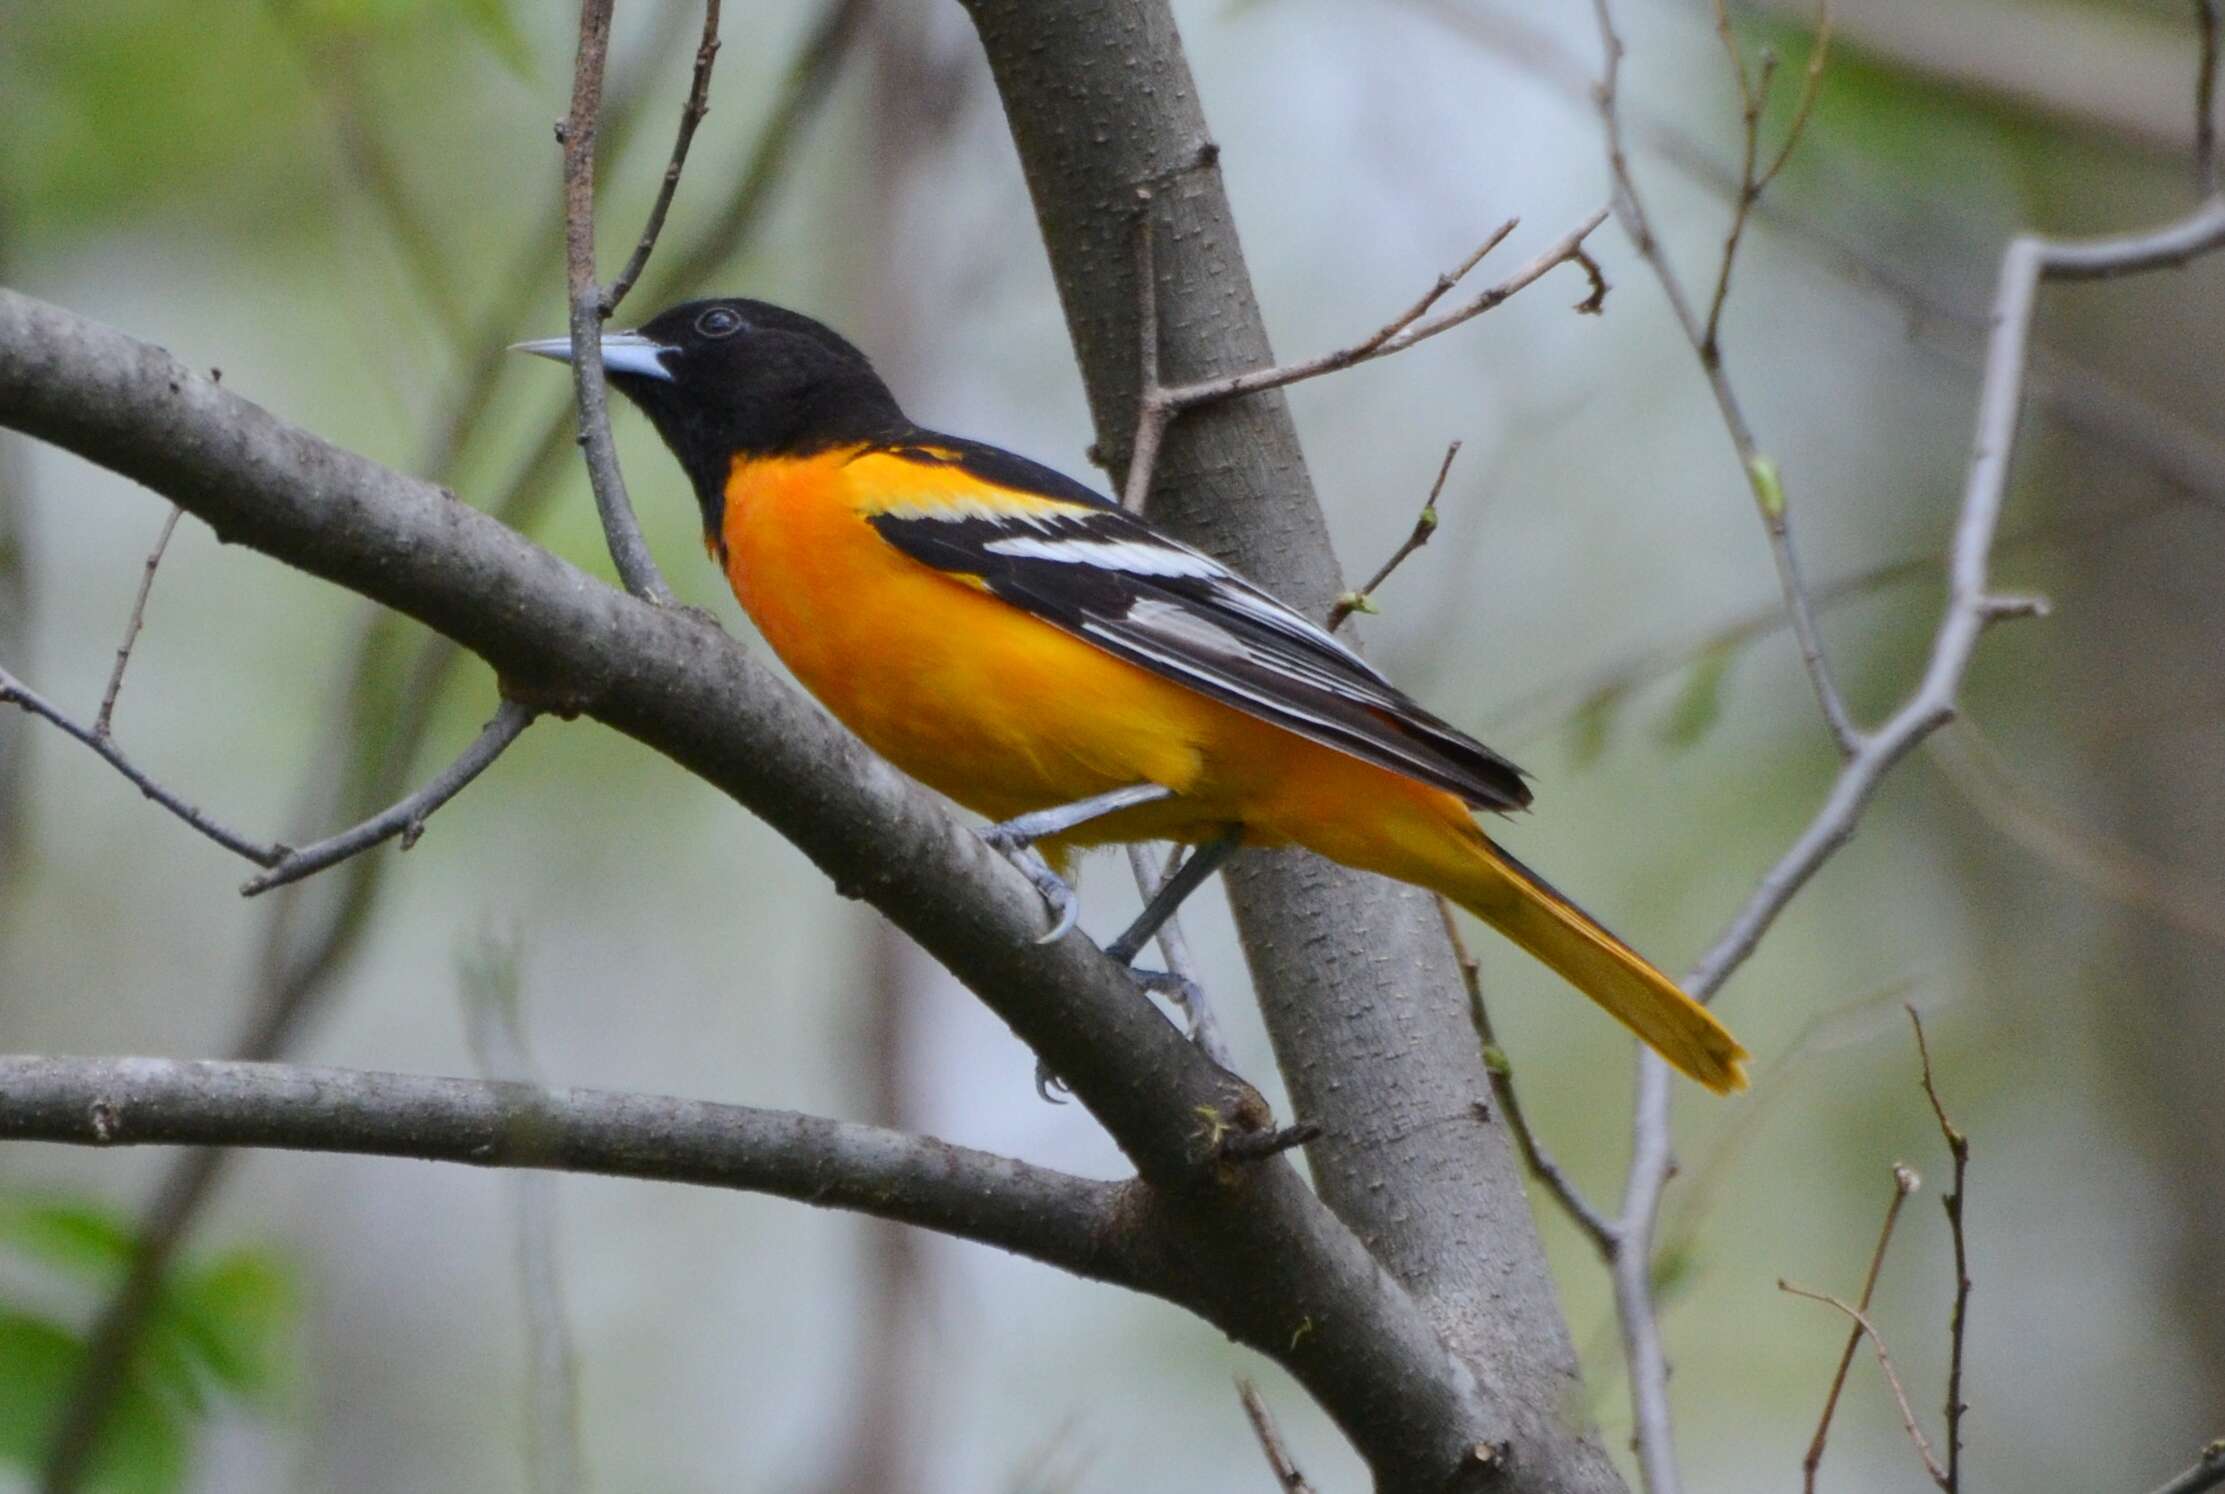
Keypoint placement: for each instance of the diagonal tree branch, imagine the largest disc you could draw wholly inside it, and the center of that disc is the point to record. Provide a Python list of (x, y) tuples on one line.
[(1971, 606), (1258, 1255), (312, 931)]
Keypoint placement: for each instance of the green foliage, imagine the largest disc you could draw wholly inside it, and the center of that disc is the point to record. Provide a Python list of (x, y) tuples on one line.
[(220, 1329), (120, 105), (1699, 705)]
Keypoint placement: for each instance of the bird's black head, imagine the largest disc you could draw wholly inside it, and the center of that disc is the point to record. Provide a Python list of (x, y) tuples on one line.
[(739, 378)]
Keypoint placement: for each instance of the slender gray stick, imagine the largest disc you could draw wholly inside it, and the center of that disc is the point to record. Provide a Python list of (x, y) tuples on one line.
[(406, 817), (1761, 471), (1971, 606), (106, 718), (628, 550), (14, 692), (691, 115)]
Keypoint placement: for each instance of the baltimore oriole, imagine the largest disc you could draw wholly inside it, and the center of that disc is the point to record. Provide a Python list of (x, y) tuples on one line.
[(1007, 636)]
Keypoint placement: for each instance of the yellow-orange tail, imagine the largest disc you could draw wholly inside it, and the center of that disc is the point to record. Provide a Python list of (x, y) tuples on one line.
[(1525, 907)]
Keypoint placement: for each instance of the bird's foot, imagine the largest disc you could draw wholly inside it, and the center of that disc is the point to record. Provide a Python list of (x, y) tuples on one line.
[(1017, 846), (1197, 1014)]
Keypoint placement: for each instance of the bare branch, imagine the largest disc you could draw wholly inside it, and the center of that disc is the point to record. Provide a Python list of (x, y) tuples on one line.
[(1154, 411), (1174, 947), (628, 551), (691, 115), (1588, 1217), (1864, 1327), (14, 691), (680, 685), (1270, 1439), (1425, 525), (2205, 100), (1905, 1182), (1971, 607), (1403, 332), (407, 816), (1958, 1146), (292, 968), (1046, 1215), (2207, 1473), (1753, 177), (105, 719), (1762, 474)]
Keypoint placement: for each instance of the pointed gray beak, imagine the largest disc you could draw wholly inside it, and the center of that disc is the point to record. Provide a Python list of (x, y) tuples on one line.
[(623, 352)]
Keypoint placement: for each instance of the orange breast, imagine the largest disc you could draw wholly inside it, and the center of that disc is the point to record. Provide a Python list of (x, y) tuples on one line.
[(995, 708)]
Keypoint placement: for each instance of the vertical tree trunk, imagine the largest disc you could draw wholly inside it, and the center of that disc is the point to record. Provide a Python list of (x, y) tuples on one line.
[(1355, 975)]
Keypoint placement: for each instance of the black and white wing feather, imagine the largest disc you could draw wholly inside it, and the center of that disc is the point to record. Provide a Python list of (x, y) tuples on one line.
[(1092, 569)]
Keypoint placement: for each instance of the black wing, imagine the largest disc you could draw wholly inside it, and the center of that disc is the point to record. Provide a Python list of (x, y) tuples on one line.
[(1104, 575)]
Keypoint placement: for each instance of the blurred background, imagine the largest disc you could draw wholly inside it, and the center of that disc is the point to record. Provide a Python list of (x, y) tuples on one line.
[(349, 206)]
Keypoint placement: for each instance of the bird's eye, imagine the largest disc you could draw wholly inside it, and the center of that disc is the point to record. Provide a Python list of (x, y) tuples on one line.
[(719, 321)]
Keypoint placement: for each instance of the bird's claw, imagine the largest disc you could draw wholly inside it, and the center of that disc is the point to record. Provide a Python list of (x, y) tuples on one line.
[(1047, 1082), (1064, 903)]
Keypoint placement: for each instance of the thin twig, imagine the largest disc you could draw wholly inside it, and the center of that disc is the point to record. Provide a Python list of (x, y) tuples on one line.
[(1905, 1182), (628, 551), (1270, 1439), (691, 115), (1754, 177), (1864, 1327), (1154, 411), (407, 816), (1588, 1217), (102, 722), (1762, 475), (14, 691), (1425, 525), (1401, 334), (494, 1029), (1958, 1146), (2207, 1473), (1174, 948), (2205, 99)]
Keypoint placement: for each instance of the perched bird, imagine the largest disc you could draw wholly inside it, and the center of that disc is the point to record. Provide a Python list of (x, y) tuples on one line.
[(1007, 636)]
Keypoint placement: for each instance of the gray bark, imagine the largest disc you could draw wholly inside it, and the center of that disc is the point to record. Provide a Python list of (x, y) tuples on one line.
[(1356, 978), (1246, 1246)]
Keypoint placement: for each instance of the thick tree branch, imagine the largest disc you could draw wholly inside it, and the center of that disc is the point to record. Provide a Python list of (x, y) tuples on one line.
[(1258, 1255), (1354, 974), (309, 934), (1066, 1221)]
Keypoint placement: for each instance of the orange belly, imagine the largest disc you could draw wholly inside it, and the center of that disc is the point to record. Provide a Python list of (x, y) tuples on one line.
[(1004, 712)]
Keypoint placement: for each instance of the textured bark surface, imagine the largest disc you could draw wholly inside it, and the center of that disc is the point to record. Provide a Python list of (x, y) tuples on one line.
[(1355, 975)]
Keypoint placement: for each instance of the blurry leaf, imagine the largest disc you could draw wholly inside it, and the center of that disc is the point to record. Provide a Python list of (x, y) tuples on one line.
[(84, 1238), (237, 1314), (494, 25), (1592, 726), (1699, 705), (143, 1450), (1673, 1270)]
